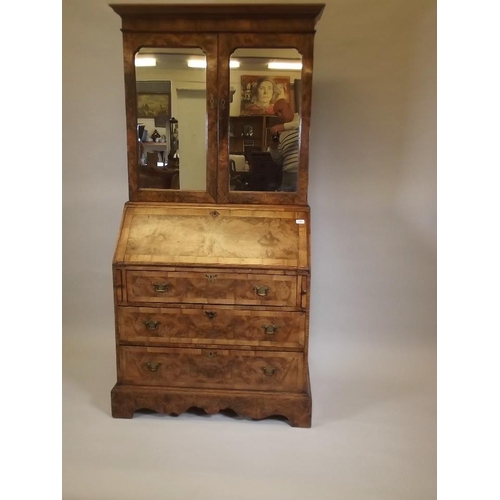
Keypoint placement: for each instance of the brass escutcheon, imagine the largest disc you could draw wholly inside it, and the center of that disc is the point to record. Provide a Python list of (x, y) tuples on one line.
[(214, 214), (160, 287), (153, 365), (270, 329), (261, 291), (211, 354), (211, 314), (151, 325), (269, 370), (211, 277)]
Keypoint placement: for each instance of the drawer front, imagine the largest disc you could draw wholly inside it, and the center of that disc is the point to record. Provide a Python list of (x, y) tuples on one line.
[(217, 326), (211, 288), (211, 369)]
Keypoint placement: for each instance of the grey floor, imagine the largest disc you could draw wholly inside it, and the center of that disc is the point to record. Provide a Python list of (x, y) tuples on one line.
[(373, 376)]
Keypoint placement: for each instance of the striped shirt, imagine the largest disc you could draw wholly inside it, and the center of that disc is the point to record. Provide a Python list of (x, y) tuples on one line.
[(287, 152)]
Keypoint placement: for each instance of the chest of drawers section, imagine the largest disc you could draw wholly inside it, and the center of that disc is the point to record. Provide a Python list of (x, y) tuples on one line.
[(211, 337)]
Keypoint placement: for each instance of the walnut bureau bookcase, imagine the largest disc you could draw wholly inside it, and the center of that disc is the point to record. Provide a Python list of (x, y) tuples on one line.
[(211, 271)]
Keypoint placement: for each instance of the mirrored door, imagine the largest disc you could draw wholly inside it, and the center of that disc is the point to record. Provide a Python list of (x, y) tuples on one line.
[(264, 119), (174, 91), (171, 118), (262, 145)]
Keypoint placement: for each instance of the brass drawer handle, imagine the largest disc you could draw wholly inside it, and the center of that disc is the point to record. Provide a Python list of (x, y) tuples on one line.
[(153, 365), (211, 354), (211, 277), (152, 325), (270, 329), (160, 287), (269, 370), (261, 291), (211, 314)]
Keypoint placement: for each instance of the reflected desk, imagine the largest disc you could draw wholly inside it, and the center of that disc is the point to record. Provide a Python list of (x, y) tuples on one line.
[(148, 150), (154, 177)]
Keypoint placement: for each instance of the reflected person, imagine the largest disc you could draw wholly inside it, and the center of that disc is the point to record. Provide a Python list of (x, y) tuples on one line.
[(285, 152)]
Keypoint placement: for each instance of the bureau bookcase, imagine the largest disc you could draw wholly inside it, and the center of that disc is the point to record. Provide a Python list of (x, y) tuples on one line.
[(212, 282)]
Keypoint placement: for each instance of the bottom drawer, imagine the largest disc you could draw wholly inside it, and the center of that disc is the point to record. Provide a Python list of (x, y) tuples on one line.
[(211, 368)]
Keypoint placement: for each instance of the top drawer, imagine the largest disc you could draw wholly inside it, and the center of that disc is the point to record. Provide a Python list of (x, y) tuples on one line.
[(211, 288)]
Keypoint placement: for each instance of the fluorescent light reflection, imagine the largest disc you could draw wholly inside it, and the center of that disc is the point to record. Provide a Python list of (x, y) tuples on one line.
[(197, 63), (145, 61), (285, 65), (202, 63)]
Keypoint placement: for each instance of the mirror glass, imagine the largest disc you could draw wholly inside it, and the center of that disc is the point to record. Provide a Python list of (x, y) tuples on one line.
[(171, 118), (264, 122)]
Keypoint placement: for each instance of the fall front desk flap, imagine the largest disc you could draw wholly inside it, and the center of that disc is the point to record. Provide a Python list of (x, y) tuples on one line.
[(214, 235)]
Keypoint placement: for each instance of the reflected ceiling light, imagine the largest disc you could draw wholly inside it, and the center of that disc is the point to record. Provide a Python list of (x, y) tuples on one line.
[(285, 65), (145, 61), (197, 63), (202, 63)]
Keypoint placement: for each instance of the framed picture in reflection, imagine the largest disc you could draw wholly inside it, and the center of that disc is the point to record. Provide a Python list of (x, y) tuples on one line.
[(155, 106), (154, 101), (259, 93)]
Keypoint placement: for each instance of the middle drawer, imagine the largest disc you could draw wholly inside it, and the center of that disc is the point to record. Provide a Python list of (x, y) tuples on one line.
[(217, 326)]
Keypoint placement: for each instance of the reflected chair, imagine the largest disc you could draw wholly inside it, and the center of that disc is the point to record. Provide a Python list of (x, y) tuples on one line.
[(265, 174), (239, 180)]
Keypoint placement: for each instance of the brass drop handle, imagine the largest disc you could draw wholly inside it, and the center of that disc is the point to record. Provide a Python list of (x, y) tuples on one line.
[(160, 287), (153, 365), (211, 314), (261, 291), (270, 329), (152, 325), (269, 370)]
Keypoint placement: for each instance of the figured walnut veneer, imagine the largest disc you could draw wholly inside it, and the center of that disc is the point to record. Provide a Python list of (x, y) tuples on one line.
[(213, 235), (211, 368), (199, 288), (126, 400), (211, 287), (235, 328), (216, 326)]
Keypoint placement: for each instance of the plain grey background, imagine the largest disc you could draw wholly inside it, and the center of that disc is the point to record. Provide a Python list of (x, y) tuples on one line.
[(372, 194)]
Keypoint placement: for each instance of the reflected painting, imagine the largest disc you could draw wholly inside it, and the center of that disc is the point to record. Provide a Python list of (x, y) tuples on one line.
[(259, 93)]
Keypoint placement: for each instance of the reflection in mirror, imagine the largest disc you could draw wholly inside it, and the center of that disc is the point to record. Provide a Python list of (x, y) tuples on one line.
[(171, 118), (264, 122)]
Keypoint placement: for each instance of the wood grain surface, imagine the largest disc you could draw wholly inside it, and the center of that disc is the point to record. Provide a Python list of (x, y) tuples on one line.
[(211, 368), (127, 399), (208, 235), (212, 287), (216, 326)]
